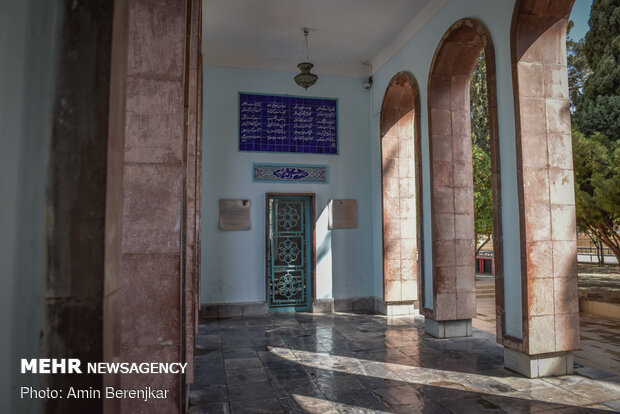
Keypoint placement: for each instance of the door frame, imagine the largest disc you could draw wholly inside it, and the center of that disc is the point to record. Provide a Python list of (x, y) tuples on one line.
[(312, 227)]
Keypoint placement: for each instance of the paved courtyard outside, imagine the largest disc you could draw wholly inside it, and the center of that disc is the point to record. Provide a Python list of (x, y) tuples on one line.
[(599, 283), (600, 336)]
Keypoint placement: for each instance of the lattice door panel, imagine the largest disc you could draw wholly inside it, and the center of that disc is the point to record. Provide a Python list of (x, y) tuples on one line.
[(288, 256)]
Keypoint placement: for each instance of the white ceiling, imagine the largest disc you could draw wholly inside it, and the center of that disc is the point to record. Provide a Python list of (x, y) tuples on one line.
[(347, 37)]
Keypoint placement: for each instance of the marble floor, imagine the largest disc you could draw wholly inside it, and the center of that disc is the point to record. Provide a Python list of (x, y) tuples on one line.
[(345, 363)]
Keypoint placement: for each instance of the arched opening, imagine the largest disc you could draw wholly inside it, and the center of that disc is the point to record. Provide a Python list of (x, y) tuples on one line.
[(400, 141), (452, 199), (549, 305)]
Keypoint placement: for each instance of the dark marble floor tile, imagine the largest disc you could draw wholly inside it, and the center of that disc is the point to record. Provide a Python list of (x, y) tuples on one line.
[(473, 404), (242, 363), (614, 404), (358, 398), (299, 387), (243, 376), (287, 372), (339, 383), (250, 391), (290, 406), (579, 410), (263, 405), (202, 395), (213, 408), (428, 407), (376, 382), (401, 395), (513, 405)]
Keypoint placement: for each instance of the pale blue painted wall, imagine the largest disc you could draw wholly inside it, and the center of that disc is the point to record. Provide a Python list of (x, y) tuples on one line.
[(233, 262), (355, 255), (416, 56)]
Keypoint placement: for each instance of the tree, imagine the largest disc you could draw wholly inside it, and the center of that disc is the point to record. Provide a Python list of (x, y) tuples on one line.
[(483, 197), (604, 29), (481, 159), (600, 114), (479, 105), (597, 188), (578, 68), (599, 110), (596, 125)]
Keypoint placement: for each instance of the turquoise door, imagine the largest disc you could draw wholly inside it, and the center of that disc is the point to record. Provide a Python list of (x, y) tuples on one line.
[(289, 253)]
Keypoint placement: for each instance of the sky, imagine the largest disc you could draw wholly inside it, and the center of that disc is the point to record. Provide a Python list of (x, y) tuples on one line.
[(580, 15)]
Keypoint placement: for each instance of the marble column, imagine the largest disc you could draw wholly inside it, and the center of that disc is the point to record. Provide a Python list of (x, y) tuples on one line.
[(158, 225), (452, 197), (546, 193), (399, 149)]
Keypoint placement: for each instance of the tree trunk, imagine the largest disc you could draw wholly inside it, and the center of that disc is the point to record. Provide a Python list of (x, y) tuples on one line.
[(482, 245), (600, 254), (611, 240), (476, 241), (598, 245)]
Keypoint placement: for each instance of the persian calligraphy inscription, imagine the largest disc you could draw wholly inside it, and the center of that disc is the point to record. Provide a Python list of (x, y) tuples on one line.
[(274, 123)]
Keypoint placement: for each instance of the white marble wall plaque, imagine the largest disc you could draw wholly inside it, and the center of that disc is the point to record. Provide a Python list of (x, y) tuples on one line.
[(342, 214), (234, 214)]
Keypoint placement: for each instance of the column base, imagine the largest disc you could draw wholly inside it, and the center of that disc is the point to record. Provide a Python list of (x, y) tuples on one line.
[(535, 366), (323, 306), (401, 309), (396, 308), (448, 329)]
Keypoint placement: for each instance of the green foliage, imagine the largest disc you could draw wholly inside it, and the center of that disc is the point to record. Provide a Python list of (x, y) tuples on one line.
[(479, 107), (591, 164), (605, 80), (597, 187), (578, 68), (604, 29), (601, 114), (483, 190), (596, 129), (607, 190), (599, 110)]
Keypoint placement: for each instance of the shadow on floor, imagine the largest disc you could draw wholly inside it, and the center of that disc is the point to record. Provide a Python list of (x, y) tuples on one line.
[(335, 363)]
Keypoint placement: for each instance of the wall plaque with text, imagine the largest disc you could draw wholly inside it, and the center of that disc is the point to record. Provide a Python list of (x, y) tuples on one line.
[(275, 123), (342, 214), (234, 214)]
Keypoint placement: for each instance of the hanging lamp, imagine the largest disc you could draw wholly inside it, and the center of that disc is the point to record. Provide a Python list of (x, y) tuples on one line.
[(306, 79)]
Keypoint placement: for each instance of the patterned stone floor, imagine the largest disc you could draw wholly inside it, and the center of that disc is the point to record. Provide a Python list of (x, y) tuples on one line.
[(343, 363)]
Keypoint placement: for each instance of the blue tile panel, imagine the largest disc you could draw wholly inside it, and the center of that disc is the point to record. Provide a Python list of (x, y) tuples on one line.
[(289, 173), (274, 123)]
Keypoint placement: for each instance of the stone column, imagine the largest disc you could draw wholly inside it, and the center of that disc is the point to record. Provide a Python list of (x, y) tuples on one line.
[(160, 199), (546, 193), (398, 170), (112, 293), (193, 137), (452, 195), (79, 47)]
